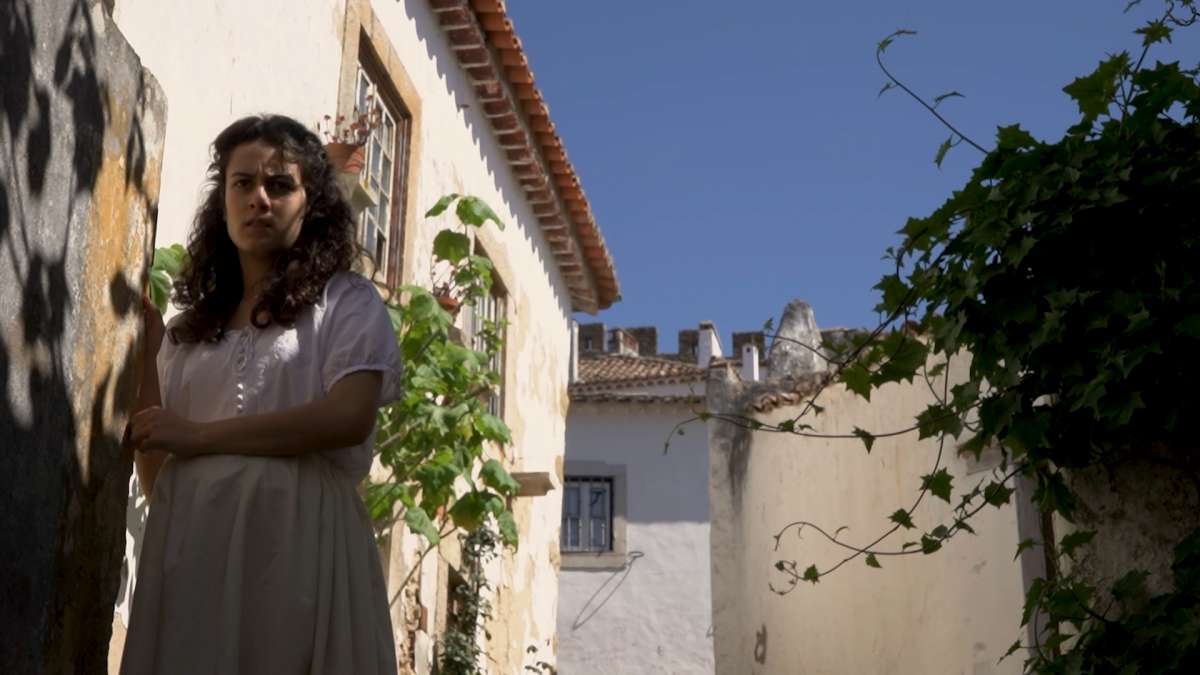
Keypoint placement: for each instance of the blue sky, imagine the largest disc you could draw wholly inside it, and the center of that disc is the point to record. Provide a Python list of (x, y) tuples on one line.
[(736, 154)]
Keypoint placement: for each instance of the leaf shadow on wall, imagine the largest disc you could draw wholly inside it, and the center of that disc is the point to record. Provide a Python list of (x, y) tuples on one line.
[(61, 517)]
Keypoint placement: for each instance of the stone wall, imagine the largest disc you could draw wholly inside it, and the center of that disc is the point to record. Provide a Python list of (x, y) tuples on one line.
[(80, 150)]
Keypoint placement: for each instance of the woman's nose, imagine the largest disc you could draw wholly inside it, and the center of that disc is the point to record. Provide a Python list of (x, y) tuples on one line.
[(259, 199)]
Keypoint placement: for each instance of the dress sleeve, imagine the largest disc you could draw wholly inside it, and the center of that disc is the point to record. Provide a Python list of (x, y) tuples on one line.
[(357, 335)]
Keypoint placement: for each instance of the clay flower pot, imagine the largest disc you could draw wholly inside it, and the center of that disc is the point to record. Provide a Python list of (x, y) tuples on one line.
[(346, 157), (448, 303)]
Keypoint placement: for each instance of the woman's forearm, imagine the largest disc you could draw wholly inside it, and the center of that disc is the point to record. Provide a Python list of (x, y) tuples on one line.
[(343, 418), (147, 464)]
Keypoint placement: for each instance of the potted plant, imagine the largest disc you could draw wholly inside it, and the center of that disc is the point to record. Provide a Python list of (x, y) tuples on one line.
[(456, 275), (346, 135)]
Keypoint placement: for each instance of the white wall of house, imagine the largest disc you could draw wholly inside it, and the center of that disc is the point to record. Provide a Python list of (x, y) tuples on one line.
[(223, 59), (652, 616), (956, 611)]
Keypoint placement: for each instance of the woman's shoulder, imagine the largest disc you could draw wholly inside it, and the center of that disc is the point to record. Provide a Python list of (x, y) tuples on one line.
[(350, 287)]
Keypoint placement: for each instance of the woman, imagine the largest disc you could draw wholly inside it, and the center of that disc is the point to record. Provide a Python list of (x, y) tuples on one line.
[(258, 554)]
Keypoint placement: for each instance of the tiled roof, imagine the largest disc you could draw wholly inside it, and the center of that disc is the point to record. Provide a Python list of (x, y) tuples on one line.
[(609, 371), (607, 397), (793, 393), (490, 53)]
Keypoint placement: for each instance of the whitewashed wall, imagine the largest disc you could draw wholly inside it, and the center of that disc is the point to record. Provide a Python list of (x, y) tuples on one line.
[(653, 616), (222, 59), (956, 611)]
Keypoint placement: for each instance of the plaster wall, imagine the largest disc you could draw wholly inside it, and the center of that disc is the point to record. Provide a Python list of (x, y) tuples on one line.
[(652, 615), (220, 60), (955, 611)]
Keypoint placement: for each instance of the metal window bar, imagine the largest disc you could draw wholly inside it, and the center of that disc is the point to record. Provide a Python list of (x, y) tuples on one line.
[(587, 514)]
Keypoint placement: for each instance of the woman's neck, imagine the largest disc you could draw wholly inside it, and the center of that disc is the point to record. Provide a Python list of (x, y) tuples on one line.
[(254, 273)]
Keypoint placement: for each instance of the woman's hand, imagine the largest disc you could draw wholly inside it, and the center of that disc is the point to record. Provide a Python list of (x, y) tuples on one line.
[(156, 428)]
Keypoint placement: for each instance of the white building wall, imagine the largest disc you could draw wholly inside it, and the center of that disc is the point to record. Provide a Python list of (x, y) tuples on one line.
[(955, 611), (222, 59), (653, 616)]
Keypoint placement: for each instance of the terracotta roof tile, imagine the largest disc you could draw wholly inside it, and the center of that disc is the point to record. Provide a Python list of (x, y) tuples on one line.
[(607, 371), (482, 28), (641, 399)]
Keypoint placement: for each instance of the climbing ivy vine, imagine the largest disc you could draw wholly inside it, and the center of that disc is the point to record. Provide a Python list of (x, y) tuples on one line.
[(1067, 270)]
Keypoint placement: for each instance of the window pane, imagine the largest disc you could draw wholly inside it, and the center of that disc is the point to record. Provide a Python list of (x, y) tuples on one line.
[(599, 502), (599, 540), (389, 129), (385, 176), (573, 533), (384, 211), (571, 501)]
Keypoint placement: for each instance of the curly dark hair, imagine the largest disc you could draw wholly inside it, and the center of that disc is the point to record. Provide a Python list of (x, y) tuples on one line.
[(209, 287)]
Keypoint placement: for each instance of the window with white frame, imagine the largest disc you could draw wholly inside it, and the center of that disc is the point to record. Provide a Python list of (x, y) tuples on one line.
[(381, 226), (491, 309), (587, 514)]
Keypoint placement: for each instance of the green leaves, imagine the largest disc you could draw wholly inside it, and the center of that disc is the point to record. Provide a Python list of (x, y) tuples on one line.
[(494, 476), (872, 561), (434, 440), (811, 574), (1073, 541), (942, 150), (938, 484), (453, 247), (902, 518), (1094, 93), (442, 204), (418, 521), (167, 264), (887, 41), (866, 437), (475, 212)]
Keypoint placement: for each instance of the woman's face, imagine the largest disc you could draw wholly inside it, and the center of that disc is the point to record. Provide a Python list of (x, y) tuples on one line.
[(265, 201)]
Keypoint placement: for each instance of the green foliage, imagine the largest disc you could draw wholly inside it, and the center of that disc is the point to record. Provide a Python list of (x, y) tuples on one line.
[(460, 653), (1067, 270), (167, 264), (435, 438)]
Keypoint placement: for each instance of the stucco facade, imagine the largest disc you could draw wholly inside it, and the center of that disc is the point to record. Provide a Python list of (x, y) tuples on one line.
[(650, 614), (642, 607), (221, 60), (956, 611)]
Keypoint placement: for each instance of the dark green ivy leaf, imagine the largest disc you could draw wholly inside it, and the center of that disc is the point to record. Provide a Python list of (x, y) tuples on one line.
[(811, 574), (902, 518), (857, 379), (997, 494), (1073, 541), (1021, 547), (938, 483), (872, 561), (930, 545), (867, 438), (942, 150), (1094, 93)]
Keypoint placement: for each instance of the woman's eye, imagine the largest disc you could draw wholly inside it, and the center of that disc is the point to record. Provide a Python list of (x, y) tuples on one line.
[(240, 183), (281, 187)]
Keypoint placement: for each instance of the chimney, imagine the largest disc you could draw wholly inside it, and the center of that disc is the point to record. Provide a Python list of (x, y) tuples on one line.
[(623, 343), (709, 347), (750, 362), (647, 339), (796, 349), (573, 367), (688, 339), (755, 338), (591, 338)]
